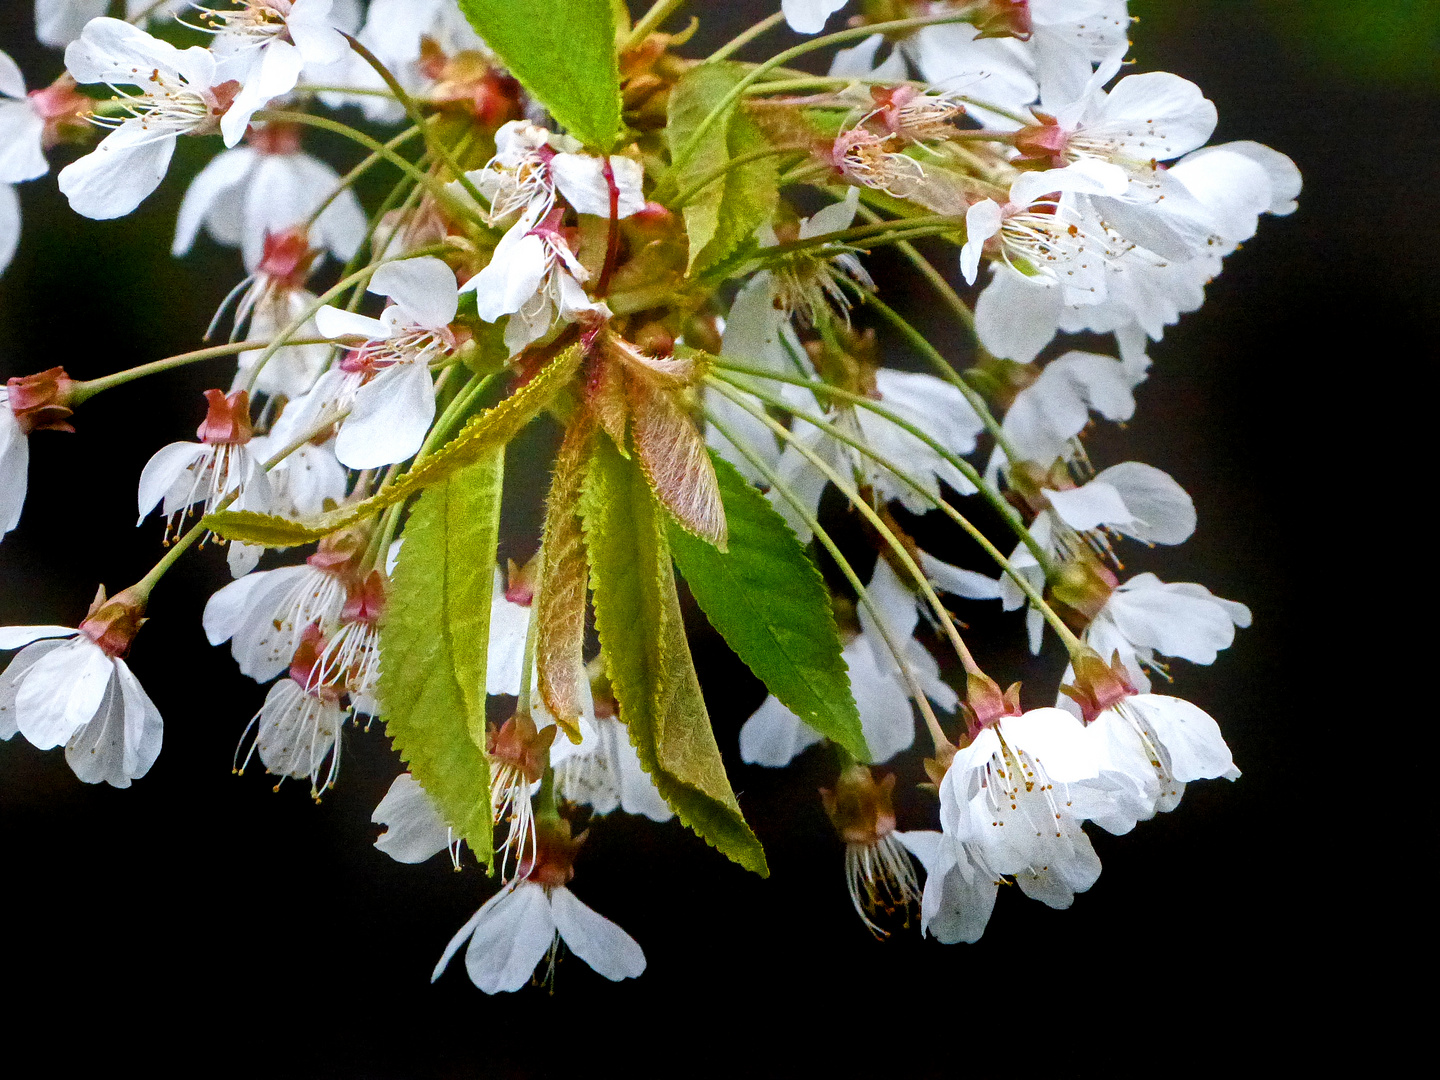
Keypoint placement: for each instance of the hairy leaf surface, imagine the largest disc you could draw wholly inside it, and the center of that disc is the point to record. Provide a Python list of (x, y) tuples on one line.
[(642, 636), (769, 603), (434, 640), (563, 53)]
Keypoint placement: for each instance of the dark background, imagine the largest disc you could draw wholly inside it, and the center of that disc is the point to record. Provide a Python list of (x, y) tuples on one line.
[(200, 914)]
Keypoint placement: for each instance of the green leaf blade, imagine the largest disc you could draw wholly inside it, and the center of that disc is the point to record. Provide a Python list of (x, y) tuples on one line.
[(563, 53), (722, 216), (434, 641), (637, 615), (768, 601)]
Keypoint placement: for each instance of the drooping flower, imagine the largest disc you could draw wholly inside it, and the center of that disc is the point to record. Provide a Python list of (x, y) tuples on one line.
[(385, 381), (878, 871), (960, 887), (526, 921), (519, 751), (220, 465), (72, 688), (246, 196), (32, 403), (1008, 792), (264, 614), (179, 93), (297, 729)]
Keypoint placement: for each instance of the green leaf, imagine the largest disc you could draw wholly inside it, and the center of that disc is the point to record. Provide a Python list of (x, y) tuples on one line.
[(724, 214), (434, 639), (563, 53), (477, 440), (647, 658), (769, 603)]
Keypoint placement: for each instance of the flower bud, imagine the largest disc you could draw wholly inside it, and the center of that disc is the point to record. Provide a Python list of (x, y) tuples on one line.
[(41, 402)]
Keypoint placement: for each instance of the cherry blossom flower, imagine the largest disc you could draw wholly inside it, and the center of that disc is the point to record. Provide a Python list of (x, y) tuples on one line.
[(297, 729), (603, 770), (264, 614), (1145, 617), (72, 688), (414, 830), (809, 16), (525, 922), (59, 22), (1009, 793), (535, 278), (264, 45), (386, 381), (222, 464), (180, 93), (878, 871), (247, 195), (774, 735), (960, 888)]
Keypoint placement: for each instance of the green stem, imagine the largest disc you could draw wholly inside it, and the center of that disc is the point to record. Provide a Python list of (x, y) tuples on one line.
[(780, 59), (438, 148), (934, 277), (650, 22), (84, 391), (358, 171), (1031, 593), (932, 723), (848, 490), (738, 42), (734, 163), (987, 490), (532, 634), (458, 207), (949, 374)]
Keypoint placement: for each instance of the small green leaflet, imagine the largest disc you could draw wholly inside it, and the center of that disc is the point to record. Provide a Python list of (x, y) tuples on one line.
[(476, 441), (725, 214), (434, 639), (563, 53), (768, 601), (642, 637)]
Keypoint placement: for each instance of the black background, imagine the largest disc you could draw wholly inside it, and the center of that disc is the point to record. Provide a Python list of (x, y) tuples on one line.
[(200, 922)]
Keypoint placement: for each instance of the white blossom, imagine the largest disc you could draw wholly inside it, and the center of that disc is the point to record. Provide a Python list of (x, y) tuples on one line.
[(414, 829), (387, 381), (960, 888), (59, 22), (253, 192), (63, 689), (179, 93), (522, 923), (264, 614), (603, 771), (809, 16), (22, 128)]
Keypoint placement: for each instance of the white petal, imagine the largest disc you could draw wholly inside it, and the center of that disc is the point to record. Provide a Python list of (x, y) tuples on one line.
[(509, 626), (513, 274), (982, 221), (1056, 740), (414, 831), (809, 16), (162, 471), (1090, 506), (1285, 179), (1162, 510), (1087, 177), (333, 322), (958, 582), (11, 677), (96, 751), (581, 179), (62, 692), (595, 939), (119, 174), (1017, 316), (1161, 115), (1191, 738), (144, 729), (389, 419), (774, 735), (513, 932), (22, 156), (115, 52), (13, 637), (213, 183), (9, 237), (227, 609), (12, 80), (423, 288), (275, 75)]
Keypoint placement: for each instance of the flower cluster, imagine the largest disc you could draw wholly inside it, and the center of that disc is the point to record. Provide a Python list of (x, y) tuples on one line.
[(638, 266)]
